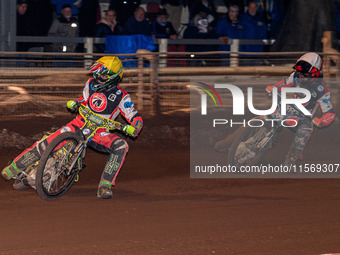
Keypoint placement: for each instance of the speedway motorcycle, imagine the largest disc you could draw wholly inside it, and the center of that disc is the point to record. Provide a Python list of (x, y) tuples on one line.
[(251, 144), (58, 168)]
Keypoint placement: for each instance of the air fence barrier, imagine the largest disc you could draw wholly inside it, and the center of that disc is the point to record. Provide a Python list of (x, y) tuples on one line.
[(35, 84)]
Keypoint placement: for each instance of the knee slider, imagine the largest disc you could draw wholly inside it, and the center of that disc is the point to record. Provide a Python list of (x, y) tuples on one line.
[(119, 144)]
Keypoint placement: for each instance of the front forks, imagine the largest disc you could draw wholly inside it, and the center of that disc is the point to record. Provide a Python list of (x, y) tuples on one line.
[(80, 152), (262, 144)]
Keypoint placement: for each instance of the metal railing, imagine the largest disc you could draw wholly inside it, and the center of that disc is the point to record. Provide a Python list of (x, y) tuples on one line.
[(41, 83), (162, 43)]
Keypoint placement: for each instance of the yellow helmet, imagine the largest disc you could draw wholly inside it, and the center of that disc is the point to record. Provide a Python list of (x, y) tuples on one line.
[(109, 66)]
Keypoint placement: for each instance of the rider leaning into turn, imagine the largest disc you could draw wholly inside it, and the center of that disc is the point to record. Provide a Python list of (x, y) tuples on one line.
[(308, 75), (103, 96)]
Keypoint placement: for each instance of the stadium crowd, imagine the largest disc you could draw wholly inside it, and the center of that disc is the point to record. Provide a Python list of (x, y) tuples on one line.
[(173, 19)]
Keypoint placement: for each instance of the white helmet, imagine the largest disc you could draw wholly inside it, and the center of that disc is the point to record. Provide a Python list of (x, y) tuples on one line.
[(309, 63)]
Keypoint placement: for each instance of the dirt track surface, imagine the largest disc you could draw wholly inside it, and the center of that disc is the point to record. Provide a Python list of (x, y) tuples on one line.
[(158, 209)]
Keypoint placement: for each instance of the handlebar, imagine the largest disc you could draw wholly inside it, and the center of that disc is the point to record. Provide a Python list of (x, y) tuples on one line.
[(100, 121)]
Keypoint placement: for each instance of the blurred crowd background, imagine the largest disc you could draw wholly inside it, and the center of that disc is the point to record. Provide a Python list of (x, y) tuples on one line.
[(287, 21)]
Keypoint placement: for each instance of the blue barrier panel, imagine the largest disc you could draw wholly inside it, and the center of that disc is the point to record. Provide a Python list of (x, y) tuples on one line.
[(122, 44)]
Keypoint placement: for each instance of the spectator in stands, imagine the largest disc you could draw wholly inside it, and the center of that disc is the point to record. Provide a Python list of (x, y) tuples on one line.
[(198, 29), (125, 9), (273, 15), (65, 26), (174, 10), (107, 26), (161, 28), (25, 25), (207, 7), (22, 6), (75, 5), (137, 24), (152, 9), (230, 26), (254, 27), (88, 13)]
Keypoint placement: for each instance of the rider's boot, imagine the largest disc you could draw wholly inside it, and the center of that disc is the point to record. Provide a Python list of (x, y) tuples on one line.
[(104, 190), (290, 159), (225, 144), (10, 171)]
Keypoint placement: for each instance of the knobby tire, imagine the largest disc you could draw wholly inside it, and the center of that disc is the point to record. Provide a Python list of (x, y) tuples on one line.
[(50, 150)]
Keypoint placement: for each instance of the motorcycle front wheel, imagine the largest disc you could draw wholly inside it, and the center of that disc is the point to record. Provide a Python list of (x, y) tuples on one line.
[(54, 178), (246, 149)]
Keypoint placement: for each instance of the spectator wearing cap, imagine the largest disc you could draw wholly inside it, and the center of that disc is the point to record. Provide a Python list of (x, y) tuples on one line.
[(162, 28), (25, 25), (107, 26), (65, 26), (137, 24), (75, 5)]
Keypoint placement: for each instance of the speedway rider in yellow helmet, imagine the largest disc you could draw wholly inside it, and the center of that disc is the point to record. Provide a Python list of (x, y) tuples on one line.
[(107, 72), (102, 95)]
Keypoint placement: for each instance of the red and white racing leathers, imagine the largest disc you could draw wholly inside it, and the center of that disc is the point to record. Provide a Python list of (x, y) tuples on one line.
[(320, 97), (109, 104)]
